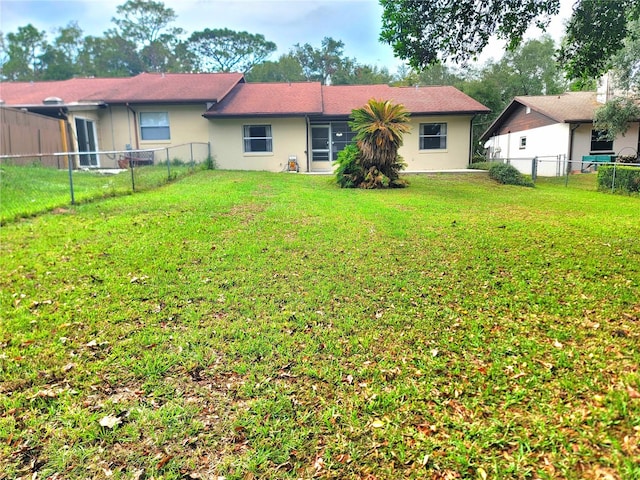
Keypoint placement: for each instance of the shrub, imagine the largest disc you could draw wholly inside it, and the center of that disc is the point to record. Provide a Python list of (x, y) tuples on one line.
[(210, 163), (379, 127), (623, 179), (508, 175), (478, 158), (349, 173), (480, 166)]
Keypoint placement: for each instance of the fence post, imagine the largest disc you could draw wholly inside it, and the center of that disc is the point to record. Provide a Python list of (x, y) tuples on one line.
[(133, 180), (567, 169), (191, 148), (613, 179), (168, 165), (534, 169), (70, 162)]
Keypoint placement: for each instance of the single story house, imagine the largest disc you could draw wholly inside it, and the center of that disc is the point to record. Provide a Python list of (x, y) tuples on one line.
[(249, 126), (558, 129)]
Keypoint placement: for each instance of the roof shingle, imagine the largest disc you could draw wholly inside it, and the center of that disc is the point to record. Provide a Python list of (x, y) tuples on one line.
[(143, 88)]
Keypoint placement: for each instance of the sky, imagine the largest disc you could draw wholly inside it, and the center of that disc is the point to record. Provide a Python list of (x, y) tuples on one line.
[(286, 22)]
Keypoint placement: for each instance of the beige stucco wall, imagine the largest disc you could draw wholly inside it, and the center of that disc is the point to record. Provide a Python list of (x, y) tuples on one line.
[(227, 145), (623, 145), (455, 156), (117, 129)]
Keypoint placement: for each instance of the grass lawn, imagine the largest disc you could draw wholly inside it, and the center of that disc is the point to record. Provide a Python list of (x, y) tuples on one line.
[(30, 190), (254, 325)]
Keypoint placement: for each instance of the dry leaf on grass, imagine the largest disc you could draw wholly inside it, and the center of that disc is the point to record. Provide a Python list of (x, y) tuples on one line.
[(110, 421)]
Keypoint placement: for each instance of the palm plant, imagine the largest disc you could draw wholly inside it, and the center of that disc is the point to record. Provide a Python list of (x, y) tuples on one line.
[(379, 127)]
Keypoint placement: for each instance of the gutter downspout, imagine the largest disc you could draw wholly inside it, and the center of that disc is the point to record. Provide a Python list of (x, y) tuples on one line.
[(135, 124)]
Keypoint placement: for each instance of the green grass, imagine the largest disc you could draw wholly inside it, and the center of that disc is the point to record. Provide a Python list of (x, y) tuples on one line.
[(30, 190), (255, 325)]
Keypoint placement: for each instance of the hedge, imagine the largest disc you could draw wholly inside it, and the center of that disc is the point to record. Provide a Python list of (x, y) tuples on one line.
[(626, 179)]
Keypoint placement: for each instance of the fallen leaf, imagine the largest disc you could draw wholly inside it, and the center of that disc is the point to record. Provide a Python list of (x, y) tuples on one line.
[(482, 473), (68, 367), (633, 393), (377, 424), (164, 461), (434, 352), (110, 421), (557, 344), (138, 475)]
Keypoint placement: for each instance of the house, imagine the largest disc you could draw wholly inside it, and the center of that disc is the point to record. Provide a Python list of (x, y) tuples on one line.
[(558, 130), (115, 114), (248, 126)]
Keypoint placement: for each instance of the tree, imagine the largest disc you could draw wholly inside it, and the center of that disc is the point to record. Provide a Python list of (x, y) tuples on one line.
[(614, 117), (379, 127), (458, 30), (146, 24), (225, 50), (24, 50), (285, 69), (353, 73), (60, 60), (626, 63), (144, 21), (424, 32), (595, 33), (436, 74), (109, 56), (319, 64)]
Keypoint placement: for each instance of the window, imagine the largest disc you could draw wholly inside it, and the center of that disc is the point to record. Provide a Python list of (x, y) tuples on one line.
[(433, 136), (257, 138), (523, 143), (154, 126), (599, 144)]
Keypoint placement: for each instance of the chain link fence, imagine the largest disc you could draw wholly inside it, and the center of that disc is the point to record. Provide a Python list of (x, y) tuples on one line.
[(32, 184), (561, 170)]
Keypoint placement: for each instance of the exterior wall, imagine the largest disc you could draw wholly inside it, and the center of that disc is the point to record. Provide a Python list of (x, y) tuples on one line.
[(119, 129), (288, 137), (623, 145), (455, 156), (521, 120), (547, 143)]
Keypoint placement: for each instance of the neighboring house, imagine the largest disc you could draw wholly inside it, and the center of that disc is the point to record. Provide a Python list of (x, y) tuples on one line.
[(250, 126), (558, 129), (108, 114)]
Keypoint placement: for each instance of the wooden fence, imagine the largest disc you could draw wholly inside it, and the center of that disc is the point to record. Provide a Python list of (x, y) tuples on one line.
[(25, 133)]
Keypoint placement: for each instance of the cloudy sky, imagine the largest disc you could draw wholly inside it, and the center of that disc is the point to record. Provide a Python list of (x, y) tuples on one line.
[(286, 22)]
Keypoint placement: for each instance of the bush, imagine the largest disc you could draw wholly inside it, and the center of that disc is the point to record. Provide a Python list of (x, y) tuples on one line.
[(626, 179), (478, 158), (508, 175), (349, 173), (480, 166)]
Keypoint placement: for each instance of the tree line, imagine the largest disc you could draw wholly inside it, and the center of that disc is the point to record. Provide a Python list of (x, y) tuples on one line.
[(143, 38)]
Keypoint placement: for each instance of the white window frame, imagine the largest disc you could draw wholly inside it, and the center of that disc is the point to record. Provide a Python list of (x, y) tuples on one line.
[(523, 143), (248, 139), (442, 136), (161, 127)]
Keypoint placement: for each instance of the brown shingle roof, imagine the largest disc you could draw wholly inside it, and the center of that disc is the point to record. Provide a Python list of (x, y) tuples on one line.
[(311, 98), (143, 88), (564, 108), (270, 99)]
